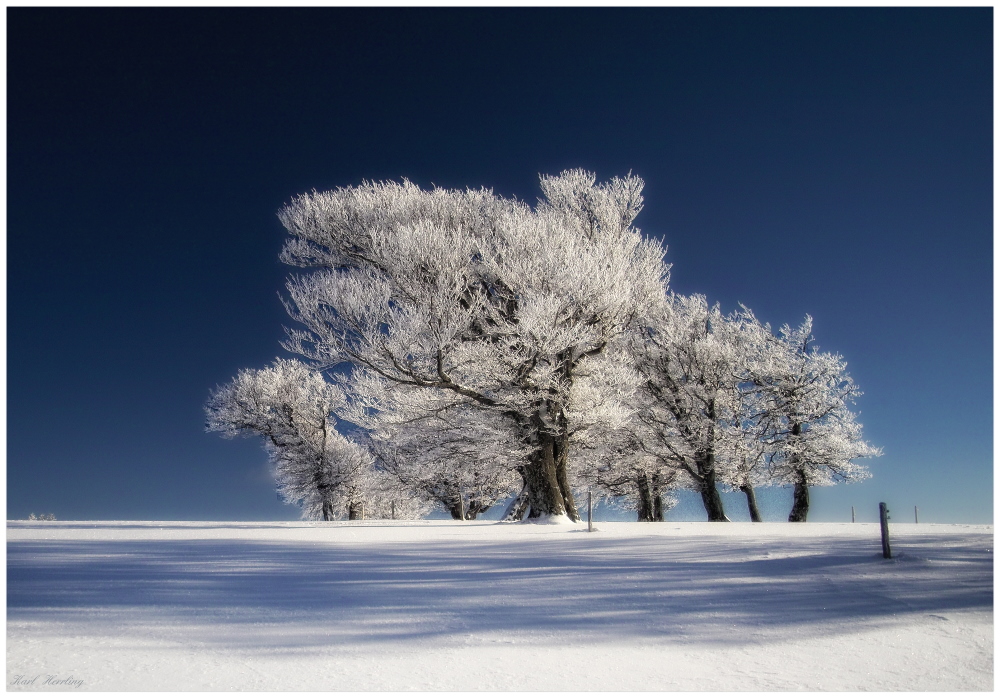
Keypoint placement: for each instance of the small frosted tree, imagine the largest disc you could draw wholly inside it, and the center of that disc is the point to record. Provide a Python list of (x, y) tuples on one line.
[(749, 457), (745, 446), (380, 495), (292, 407), (813, 436), (496, 304), (691, 368), (617, 469), (457, 457), (607, 448)]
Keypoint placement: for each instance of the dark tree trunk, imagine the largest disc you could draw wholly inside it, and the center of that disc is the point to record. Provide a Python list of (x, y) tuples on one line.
[(456, 507), (323, 488), (472, 509), (561, 441), (800, 497), (354, 511), (544, 494), (710, 494), (656, 494), (709, 491), (706, 469), (645, 498), (800, 500), (562, 477), (644, 510), (475, 508), (545, 476), (518, 506), (751, 503)]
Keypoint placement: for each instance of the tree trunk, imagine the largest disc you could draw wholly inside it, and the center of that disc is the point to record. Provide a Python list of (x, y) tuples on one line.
[(546, 477), (562, 477), (518, 506), (471, 510), (327, 510), (800, 497), (656, 494), (709, 492), (354, 511), (544, 494), (456, 507), (645, 498), (800, 500), (474, 508), (712, 501), (751, 503), (706, 469)]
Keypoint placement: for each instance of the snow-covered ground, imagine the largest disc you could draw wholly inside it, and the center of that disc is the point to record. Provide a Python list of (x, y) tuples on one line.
[(440, 605)]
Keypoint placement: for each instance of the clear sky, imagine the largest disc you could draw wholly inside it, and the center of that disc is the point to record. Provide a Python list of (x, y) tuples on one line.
[(836, 162)]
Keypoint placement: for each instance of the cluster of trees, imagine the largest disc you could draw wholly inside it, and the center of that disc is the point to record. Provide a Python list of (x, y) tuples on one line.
[(462, 347)]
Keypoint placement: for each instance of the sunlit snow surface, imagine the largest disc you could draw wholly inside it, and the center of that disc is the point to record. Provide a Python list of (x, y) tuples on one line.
[(440, 605)]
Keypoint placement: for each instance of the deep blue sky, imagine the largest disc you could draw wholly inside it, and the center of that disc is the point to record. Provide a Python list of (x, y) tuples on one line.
[(836, 162)]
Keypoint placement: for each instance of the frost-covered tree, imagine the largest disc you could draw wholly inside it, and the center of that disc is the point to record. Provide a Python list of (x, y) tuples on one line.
[(745, 447), (457, 481), (498, 305), (749, 457), (814, 438), (616, 468), (293, 408), (380, 495), (459, 458), (691, 362), (605, 449)]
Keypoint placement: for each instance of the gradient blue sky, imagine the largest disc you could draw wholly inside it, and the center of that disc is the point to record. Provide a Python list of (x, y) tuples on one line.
[(836, 162)]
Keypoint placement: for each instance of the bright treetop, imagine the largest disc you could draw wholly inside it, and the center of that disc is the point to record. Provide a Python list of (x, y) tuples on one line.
[(496, 304)]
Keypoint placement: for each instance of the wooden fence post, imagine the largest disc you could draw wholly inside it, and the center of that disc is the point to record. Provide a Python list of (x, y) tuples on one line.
[(916, 514), (852, 513), (883, 517)]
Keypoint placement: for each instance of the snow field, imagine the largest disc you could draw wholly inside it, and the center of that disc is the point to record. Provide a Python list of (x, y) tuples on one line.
[(441, 605)]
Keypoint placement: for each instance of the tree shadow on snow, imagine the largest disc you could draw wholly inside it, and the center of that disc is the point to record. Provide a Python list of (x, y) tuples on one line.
[(269, 595)]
